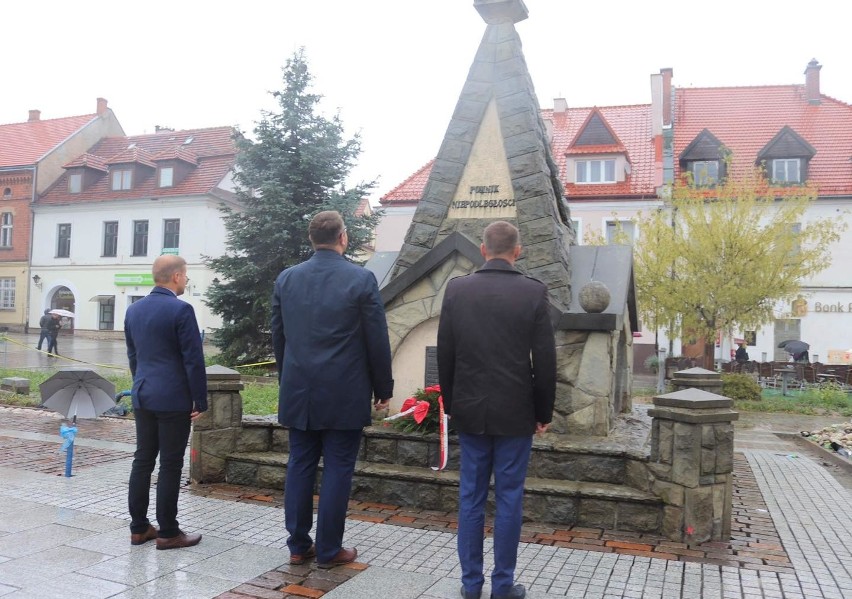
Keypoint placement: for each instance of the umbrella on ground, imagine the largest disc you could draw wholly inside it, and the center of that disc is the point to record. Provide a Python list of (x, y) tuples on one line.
[(794, 346), (78, 392), (62, 312)]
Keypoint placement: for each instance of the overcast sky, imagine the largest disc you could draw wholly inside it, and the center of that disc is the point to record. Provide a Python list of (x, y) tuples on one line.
[(393, 68)]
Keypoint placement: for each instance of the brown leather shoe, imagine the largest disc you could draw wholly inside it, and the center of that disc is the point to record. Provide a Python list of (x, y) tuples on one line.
[(143, 537), (297, 559), (344, 556), (181, 540)]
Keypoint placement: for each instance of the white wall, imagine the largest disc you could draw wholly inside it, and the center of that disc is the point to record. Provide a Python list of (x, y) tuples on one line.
[(87, 273)]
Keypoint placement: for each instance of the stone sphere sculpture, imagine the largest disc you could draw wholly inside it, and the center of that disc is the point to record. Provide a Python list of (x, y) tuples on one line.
[(594, 297)]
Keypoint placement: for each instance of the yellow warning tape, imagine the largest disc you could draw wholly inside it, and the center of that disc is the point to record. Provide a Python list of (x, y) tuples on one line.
[(255, 364), (10, 340)]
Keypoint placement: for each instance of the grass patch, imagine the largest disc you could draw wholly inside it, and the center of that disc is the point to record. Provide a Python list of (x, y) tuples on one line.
[(37, 377), (826, 400), (260, 399)]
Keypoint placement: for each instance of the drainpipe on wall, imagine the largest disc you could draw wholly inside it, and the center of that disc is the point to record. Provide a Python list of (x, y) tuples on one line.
[(30, 249)]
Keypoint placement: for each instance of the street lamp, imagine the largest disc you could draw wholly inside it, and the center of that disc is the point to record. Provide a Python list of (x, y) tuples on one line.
[(37, 281)]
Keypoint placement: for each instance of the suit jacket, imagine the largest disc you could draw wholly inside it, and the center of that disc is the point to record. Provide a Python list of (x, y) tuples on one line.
[(331, 344), (165, 353), (496, 352)]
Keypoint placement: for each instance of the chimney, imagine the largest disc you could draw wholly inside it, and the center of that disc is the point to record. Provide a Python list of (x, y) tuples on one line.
[(667, 96), (560, 105), (812, 82), (102, 106), (35, 115)]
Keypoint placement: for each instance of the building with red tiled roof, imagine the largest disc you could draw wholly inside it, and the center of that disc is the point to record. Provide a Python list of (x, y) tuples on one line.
[(613, 162), (31, 157), (119, 205)]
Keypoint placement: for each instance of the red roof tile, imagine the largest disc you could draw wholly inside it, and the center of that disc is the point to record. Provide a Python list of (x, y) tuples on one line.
[(745, 119), (213, 148), (409, 192), (88, 161), (133, 154), (23, 144)]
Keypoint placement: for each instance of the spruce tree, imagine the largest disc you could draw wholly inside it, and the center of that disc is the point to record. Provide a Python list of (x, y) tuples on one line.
[(295, 166)]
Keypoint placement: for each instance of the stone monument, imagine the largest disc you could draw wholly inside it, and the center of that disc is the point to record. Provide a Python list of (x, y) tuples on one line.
[(495, 164)]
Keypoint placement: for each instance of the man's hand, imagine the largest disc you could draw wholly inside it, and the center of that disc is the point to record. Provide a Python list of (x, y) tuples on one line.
[(381, 404), (195, 414), (540, 428)]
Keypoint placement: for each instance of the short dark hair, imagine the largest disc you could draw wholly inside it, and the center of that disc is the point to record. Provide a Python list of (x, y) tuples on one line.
[(47, 311), (325, 228), (500, 238)]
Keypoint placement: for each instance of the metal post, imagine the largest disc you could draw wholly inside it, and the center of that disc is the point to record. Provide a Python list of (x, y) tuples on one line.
[(69, 455), (661, 370)]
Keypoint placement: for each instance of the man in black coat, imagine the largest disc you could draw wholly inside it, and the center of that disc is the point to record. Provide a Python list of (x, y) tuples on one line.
[(497, 370), (44, 324)]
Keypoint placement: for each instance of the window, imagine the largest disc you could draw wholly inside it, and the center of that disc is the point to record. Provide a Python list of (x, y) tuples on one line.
[(122, 179), (167, 176), (171, 233), (132, 299), (140, 238), (6, 230), (705, 173), (595, 171), (75, 183), (786, 170), (578, 230), (620, 232), (7, 193), (63, 240), (106, 316), (7, 293), (111, 238)]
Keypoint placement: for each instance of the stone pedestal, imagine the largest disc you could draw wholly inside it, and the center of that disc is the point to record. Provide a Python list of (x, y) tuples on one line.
[(692, 452), (697, 378), (16, 384), (216, 433)]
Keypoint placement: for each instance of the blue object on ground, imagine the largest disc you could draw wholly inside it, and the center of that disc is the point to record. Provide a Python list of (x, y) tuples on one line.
[(68, 433)]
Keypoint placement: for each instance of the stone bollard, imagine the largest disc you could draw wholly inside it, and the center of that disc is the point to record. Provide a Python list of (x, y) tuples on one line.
[(216, 432), (692, 460), (698, 378)]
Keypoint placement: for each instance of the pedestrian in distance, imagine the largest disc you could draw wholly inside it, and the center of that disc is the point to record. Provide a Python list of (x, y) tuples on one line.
[(53, 334), (169, 392), (497, 371), (44, 334), (332, 350)]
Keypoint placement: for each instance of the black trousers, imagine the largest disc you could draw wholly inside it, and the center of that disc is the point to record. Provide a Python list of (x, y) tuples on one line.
[(166, 434)]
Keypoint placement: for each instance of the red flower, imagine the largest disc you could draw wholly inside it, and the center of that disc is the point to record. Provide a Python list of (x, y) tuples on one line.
[(421, 411), (433, 389), (408, 404)]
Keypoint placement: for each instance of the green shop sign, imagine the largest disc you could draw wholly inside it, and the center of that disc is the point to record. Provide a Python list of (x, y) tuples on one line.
[(138, 279)]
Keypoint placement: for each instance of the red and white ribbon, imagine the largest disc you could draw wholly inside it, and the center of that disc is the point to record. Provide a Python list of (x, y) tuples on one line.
[(442, 436)]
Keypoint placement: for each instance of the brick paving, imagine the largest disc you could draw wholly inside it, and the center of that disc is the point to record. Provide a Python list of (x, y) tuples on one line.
[(45, 457), (790, 539)]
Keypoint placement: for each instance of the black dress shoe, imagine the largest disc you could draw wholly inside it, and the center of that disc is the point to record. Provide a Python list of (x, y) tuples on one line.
[(470, 594), (138, 538), (177, 542), (297, 559), (516, 592), (344, 556)]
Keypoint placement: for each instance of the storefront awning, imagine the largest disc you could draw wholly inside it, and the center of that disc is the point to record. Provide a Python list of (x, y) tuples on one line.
[(102, 298)]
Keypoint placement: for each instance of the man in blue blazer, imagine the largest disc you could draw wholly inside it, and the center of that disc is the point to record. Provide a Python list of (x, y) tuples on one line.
[(333, 355), (169, 391)]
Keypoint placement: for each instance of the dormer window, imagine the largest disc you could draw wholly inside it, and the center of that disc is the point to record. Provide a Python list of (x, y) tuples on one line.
[(167, 176), (595, 171), (786, 171), (705, 173), (122, 179), (75, 183)]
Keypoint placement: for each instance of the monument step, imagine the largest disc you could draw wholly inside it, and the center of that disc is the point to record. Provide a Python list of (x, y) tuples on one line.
[(568, 502)]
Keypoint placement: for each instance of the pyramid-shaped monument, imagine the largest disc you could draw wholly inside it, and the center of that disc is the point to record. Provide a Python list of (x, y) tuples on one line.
[(495, 163)]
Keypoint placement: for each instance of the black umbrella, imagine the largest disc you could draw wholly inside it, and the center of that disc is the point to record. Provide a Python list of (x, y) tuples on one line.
[(794, 346)]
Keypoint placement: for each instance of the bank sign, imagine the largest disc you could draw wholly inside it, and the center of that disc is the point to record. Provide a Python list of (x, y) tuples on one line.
[(134, 279)]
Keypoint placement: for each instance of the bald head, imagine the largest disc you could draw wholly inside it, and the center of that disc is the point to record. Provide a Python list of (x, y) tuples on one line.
[(170, 271)]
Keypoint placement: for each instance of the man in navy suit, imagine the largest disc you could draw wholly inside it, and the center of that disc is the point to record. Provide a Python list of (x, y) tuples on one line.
[(333, 355), (169, 391), (497, 369)]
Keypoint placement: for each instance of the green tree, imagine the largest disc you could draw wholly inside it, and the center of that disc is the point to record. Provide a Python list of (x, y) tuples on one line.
[(713, 259), (295, 166)]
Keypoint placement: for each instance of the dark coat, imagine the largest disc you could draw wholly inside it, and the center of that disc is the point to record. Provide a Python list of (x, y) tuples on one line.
[(165, 354), (331, 344), (492, 323)]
